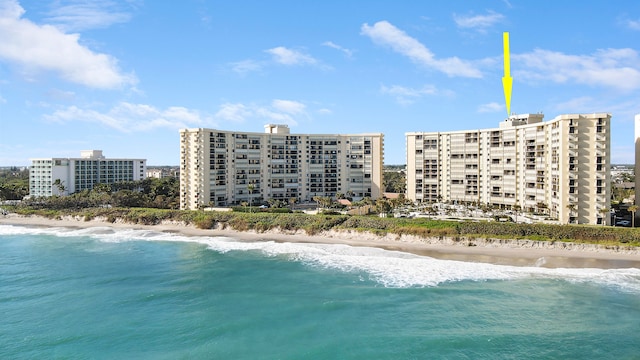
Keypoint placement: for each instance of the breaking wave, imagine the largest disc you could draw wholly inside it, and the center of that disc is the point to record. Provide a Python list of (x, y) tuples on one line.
[(389, 268)]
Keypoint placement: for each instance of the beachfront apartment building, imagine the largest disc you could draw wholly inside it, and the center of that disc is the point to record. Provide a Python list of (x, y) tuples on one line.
[(558, 167), (63, 176), (221, 168)]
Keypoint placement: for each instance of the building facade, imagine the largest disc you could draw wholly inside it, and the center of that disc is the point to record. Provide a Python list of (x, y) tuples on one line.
[(559, 167), (162, 172), (63, 176), (221, 168)]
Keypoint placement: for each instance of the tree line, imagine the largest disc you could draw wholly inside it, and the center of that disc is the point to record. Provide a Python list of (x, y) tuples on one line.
[(14, 183), (150, 192)]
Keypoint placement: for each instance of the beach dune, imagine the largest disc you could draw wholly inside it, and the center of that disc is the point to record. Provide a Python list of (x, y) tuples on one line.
[(500, 252)]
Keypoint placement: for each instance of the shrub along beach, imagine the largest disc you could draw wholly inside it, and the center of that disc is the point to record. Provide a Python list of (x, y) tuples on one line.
[(312, 224), (418, 235)]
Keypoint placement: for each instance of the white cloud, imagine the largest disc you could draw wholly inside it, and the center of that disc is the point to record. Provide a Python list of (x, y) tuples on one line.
[(325, 111), (10, 8), (279, 55), (478, 22), (276, 117), (490, 107), (633, 24), (613, 68), (622, 109), (406, 96), (246, 66), (385, 33), (285, 56), (127, 117), (584, 103), (78, 15), (234, 112), (2, 100), (279, 111), (61, 95), (348, 53), (46, 48), (289, 106)]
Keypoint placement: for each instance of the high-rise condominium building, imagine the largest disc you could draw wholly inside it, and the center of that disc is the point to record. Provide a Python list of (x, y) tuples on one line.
[(559, 167), (63, 176), (220, 168)]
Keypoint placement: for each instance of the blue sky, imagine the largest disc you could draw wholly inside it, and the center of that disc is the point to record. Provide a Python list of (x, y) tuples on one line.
[(125, 76)]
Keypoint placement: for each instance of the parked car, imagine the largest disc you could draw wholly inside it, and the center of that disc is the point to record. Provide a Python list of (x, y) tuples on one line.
[(623, 223)]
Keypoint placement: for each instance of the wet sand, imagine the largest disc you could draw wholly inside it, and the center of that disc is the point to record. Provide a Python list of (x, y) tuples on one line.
[(544, 254)]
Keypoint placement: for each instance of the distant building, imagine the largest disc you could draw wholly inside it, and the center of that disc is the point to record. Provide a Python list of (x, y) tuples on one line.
[(155, 173), (218, 167), (63, 176), (620, 172), (162, 172), (560, 167)]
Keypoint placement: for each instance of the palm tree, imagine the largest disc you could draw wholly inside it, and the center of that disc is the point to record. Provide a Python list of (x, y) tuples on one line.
[(60, 185), (367, 200), (572, 208), (516, 208), (383, 206), (633, 209), (350, 195), (604, 211), (250, 187), (324, 202)]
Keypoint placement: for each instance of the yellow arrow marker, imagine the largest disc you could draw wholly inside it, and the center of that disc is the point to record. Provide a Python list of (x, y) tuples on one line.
[(507, 81)]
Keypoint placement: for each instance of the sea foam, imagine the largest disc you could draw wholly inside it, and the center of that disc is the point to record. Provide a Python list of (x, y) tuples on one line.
[(389, 268)]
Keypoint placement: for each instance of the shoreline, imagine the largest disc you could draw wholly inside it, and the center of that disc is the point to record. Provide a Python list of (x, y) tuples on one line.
[(498, 252)]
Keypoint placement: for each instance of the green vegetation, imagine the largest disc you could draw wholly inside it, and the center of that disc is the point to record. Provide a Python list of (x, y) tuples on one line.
[(312, 224), (150, 192), (619, 194), (14, 183), (393, 181), (151, 201)]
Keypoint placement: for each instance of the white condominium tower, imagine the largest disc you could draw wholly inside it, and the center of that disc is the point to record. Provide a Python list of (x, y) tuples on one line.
[(559, 167), (221, 168), (63, 176)]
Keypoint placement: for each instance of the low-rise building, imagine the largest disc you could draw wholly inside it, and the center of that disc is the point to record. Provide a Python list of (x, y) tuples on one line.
[(63, 176)]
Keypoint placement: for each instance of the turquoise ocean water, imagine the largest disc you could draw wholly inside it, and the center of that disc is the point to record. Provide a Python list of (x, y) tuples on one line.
[(134, 294)]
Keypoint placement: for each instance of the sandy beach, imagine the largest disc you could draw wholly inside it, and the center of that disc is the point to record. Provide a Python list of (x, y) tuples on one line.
[(501, 252)]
